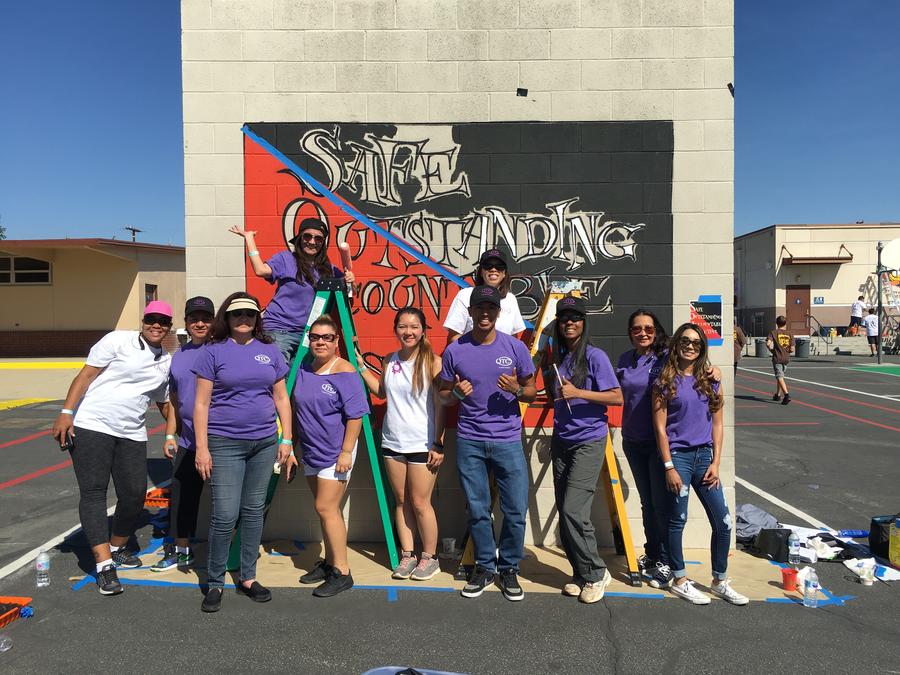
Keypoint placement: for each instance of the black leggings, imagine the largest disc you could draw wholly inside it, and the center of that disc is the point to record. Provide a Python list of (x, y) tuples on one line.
[(184, 500), (95, 457)]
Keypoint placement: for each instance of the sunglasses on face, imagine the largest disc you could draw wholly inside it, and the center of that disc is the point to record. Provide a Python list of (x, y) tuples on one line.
[(571, 318), (647, 330), (684, 343), (242, 313), (157, 320), (322, 337), (496, 266), (198, 319), (312, 238)]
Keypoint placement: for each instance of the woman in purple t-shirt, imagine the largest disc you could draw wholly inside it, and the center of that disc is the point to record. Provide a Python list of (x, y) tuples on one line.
[(329, 404), (296, 273), (585, 385), (688, 420), (240, 386)]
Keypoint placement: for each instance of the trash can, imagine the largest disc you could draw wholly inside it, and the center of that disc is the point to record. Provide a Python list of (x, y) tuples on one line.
[(761, 351), (801, 346)]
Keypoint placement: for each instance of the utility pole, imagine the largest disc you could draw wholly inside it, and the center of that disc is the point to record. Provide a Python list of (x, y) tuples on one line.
[(878, 272), (133, 231)]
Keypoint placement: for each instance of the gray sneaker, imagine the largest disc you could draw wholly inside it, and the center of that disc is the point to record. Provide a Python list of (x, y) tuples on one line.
[(426, 569), (405, 567)]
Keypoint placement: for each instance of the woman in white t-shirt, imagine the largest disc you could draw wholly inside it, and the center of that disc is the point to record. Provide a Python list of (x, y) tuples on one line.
[(107, 437), (412, 437), (492, 271)]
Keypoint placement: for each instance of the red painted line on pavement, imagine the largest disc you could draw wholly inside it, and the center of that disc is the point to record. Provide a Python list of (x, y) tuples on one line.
[(776, 424), (838, 398), (24, 439), (828, 410)]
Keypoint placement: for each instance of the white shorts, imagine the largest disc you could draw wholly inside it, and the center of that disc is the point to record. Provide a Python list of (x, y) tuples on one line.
[(328, 473)]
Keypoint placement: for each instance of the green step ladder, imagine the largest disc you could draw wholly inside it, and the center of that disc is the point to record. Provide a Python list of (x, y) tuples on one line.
[(332, 293)]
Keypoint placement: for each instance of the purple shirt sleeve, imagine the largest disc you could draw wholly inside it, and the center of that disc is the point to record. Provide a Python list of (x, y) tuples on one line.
[(281, 367), (355, 403), (205, 365), (448, 370), (524, 363), (602, 371), (280, 267)]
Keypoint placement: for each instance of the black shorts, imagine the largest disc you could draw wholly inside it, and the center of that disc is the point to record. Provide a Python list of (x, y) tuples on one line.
[(873, 339), (855, 320), (408, 457)]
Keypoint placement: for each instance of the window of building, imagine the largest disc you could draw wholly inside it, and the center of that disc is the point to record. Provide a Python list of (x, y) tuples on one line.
[(20, 270), (151, 293)]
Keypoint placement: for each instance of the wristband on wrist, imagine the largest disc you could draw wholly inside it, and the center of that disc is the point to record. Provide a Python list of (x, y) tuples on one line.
[(458, 395), (669, 464), (292, 454), (439, 446), (66, 411), (286, 441), (252, 253), (170, 437)]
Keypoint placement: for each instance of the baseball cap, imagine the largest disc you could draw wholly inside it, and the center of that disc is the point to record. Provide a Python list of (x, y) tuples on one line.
[(158, 307), (199, 303), (484, 294), (571, 303), (243, 303), (310, 224), (492, 254)]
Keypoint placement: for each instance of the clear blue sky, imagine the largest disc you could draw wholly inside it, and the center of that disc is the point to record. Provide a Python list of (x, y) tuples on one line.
[(90, 101)]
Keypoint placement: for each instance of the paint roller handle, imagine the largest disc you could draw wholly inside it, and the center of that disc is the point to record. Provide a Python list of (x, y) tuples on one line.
[(347, 264)]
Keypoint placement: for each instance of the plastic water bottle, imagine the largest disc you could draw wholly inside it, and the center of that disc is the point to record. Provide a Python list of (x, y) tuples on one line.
[(42, 569), (853, 534), (793, 549), (5, 643), (811, 589)]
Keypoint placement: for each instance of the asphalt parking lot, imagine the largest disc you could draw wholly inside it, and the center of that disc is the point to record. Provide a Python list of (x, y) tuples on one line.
[(830, 457)]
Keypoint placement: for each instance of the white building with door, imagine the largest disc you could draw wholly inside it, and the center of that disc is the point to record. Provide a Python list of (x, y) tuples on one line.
[(806, 270)]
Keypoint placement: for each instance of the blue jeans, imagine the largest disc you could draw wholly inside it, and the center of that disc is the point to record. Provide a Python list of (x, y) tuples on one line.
[(650, 481), (287, 342), (691, 464), (474, 461), (241, 469)]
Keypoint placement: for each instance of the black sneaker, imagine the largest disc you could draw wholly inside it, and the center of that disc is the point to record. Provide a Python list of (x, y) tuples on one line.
[(319, 572), (786, 399), (646, 565), (257, 592), (108, 581), (776, 397), (212, 601), (125, 559), (478, 579), (334, 584), (662, 577), (509, 585)]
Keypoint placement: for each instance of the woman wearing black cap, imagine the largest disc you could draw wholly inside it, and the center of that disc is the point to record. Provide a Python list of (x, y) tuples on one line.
[(491, 271), (296, 274)]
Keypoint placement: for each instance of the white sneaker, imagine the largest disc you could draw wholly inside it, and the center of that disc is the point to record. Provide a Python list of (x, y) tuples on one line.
[(593, 592), (727, 593), (573, 588), (689, 593)]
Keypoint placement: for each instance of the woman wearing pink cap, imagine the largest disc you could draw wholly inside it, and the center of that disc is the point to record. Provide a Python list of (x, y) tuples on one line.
[(107, 437)]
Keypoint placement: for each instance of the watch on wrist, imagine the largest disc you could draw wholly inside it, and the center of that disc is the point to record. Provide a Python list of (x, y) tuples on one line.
[(520, 391), (669, 465)]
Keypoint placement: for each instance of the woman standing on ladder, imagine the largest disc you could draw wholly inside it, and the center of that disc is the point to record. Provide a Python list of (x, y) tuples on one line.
[(296, 274), (329, 402), (412, 439), (585, 386)]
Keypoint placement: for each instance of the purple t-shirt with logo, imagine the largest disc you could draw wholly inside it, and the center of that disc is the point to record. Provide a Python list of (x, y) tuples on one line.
[(688, 422), (183, 382), (587, 421), (323, 405), (489, 413), (289, 309), (636, 375), (243, 377)]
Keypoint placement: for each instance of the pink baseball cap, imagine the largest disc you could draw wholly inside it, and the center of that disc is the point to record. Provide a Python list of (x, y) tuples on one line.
[(158, 307)]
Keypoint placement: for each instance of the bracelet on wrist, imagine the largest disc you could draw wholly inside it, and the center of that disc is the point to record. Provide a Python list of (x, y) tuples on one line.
[(250, 254), (286, 441), (458, 395), (66, 411), (346, 452), (292, 454), (439, 446), (170, 437), (669, 465)]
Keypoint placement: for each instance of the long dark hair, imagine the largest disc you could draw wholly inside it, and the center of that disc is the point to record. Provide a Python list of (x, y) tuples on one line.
[(660, 337), (666, 385), (424, 362), (579, 363), (220, 329), (504, 285), (318, 263)]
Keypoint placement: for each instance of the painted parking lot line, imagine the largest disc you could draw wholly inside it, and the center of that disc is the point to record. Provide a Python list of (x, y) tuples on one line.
[(843, 399), (19, 402), (776, 424), (25, 439), (881, 370), (41, 365), (793, 510), (820, 384), (35, 474)]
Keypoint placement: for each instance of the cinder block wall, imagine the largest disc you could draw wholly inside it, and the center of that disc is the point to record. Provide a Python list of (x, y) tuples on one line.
[(456, 62)]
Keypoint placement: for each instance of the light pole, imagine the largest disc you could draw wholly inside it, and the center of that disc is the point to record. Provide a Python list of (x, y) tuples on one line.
[(878, 270)]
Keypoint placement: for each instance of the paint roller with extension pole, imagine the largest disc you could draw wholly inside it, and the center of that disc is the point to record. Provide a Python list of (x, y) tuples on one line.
[(347, 263)]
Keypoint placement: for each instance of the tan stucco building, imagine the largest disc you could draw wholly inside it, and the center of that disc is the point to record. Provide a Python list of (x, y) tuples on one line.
[(61, 295)]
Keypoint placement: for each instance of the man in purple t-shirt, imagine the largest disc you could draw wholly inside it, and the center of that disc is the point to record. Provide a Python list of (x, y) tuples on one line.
[(489, 374)]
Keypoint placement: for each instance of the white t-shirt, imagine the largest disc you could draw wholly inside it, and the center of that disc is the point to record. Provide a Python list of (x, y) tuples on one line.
[(870, 321), (858, 308), (510, 320), (116, 402), (409, 418)]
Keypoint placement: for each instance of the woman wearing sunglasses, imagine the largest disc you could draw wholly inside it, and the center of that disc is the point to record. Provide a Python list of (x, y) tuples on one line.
[(688, 419), (296, 274), (491, 271), (329, 403), (239, 390), (585, 385), (412, 437), (107, 437)]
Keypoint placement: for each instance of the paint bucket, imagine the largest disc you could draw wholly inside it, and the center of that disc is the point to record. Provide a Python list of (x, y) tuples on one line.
[(789, 578)]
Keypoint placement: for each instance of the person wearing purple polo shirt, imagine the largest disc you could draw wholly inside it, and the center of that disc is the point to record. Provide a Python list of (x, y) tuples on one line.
[(329, 402), (489, 373), (296, 274), (585, 386), (187, 485), (688, 420), (240, 388)]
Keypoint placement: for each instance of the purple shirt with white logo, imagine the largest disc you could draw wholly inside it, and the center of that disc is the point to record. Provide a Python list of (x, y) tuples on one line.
[(183, 382), (489, 413), (587, 421), (243, 377), (289, 309), (688, 420), (636, 376), (323, 405)]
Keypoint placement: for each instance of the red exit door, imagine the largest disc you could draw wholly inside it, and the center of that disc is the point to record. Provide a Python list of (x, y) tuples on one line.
[(797, 309)]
